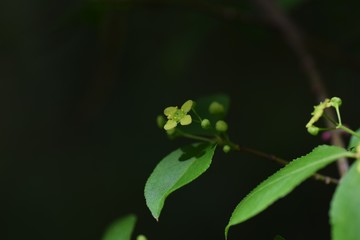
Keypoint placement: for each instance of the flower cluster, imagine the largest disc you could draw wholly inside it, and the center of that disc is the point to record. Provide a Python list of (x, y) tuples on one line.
[(319, 112), (175, 116)]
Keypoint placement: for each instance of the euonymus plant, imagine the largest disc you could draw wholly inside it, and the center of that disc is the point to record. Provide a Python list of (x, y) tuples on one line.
[(203, 121)]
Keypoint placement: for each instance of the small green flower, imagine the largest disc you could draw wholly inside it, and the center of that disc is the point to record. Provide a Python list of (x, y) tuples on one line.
[(175, 115), (318, 112)]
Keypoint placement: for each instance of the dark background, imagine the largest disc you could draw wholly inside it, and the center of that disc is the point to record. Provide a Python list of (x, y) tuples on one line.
[(83, 81)]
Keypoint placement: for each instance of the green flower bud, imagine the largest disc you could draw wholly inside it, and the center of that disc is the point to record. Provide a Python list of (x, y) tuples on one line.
[(161, 121), (336, 102), (216, 108), (205, 124), (141, 237), (313, 130), (221, 126), (226, 148)]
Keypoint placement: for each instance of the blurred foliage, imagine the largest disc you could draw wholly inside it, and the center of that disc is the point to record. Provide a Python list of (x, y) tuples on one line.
[(121, 229), (344, 211)]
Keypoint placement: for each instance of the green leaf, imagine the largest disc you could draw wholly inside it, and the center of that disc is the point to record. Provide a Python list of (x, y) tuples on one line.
[(176, 170), (345, 206), (283, 182), (354, 141), (121, 229)]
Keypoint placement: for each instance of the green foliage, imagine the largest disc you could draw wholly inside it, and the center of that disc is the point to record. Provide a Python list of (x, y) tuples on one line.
[(176, 170), (345, 206), (187, 163), (354, 141), (121, 229), (283, 182)]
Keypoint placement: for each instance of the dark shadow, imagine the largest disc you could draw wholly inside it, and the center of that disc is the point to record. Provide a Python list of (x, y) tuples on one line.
[(194, 150)]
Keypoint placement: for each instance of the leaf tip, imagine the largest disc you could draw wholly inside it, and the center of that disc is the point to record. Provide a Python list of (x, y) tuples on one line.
[(156, 216), (226, 231)]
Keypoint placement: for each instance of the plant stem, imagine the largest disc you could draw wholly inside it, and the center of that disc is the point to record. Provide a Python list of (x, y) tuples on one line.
[(293, 36), (338, 115), (196, 114), (195, 137), (316, 176), (330, 119), (342, 127), (349, 131), (226, 141)]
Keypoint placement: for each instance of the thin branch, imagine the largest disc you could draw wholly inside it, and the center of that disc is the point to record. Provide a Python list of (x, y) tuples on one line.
[(294, 38), (316, 176), (276, 18), (195, 137)]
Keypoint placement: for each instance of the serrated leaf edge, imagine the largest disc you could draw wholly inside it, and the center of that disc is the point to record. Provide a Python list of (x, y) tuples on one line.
[(245, 199)]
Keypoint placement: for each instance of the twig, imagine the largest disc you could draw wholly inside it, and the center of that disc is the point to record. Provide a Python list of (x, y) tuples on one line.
[(195, 137), (276, 18), (293, 37), (316, 176)]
